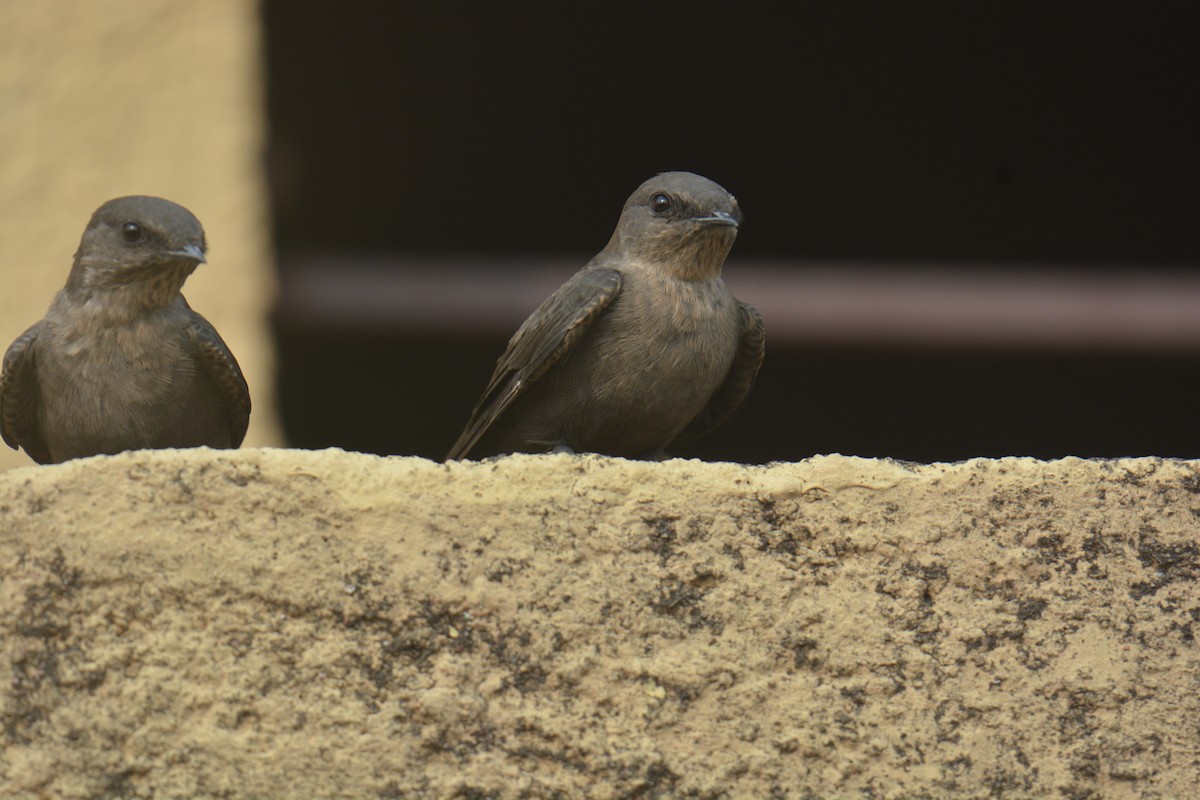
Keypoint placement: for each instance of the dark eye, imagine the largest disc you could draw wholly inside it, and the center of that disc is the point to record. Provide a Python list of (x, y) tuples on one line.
[(131, 231), (660, 203)]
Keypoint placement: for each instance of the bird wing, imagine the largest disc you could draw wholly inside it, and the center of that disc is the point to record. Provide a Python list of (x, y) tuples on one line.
[(733, 390), (19, 398), (220, 365), (541, 342)]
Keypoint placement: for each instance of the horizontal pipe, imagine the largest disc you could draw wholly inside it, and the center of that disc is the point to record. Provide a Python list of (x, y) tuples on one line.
[(1127, 308)]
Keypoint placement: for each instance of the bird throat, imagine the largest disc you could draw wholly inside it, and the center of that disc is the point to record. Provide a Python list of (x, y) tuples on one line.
[(697, 258), (129, 292)]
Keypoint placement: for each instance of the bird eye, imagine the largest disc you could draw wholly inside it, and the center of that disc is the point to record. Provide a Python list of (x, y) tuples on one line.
[(660, 203), (131, 231)]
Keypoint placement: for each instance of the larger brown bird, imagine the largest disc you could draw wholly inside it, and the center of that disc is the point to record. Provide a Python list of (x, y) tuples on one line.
[(120, 361), (642, 350)]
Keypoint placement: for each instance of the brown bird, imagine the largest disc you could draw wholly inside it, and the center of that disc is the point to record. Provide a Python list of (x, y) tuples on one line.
[(120, 361), (642, 350)]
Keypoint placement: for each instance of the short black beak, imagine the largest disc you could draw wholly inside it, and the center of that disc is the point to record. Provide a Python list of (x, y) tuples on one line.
[(191, 251), (718, 218)]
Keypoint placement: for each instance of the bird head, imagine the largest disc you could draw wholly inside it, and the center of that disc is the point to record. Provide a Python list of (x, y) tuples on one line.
[(680, 222), (144, 246)]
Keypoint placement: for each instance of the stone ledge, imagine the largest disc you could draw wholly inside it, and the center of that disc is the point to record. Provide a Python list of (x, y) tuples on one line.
[(273, 623)]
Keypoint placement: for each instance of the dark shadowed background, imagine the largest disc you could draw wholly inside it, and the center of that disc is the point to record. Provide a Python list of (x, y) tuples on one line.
[(972, 230)]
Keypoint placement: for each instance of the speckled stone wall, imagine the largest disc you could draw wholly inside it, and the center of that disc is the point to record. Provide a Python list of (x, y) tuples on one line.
[(278, 624)]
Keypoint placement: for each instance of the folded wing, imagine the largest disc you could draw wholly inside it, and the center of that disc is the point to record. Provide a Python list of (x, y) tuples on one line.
[(544, 340)]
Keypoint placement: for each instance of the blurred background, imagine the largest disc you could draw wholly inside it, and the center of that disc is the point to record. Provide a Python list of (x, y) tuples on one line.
[(972, 230)]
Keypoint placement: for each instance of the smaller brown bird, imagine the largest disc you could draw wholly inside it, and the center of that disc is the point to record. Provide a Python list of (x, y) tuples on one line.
[(120, 361), (642, 350)]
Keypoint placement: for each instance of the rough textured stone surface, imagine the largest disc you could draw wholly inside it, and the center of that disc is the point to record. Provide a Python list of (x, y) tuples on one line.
[(291, 624)]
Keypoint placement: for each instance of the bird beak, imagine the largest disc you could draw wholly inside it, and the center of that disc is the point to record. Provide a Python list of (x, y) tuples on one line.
[(191, 251), (717, 218)]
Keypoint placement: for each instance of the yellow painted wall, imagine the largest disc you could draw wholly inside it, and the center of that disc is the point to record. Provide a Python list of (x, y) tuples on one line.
[(102, 98)]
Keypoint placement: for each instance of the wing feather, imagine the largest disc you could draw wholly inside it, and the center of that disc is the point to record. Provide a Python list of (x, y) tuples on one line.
[(218, 362), (19, 398), (540, 343), (736, 386)]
